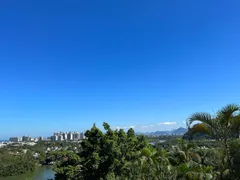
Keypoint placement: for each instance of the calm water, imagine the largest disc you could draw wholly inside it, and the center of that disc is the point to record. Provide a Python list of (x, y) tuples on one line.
[(41, 173)]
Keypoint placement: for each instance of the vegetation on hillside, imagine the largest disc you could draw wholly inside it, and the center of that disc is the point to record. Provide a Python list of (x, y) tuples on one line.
[(116, 155), (14, 164)]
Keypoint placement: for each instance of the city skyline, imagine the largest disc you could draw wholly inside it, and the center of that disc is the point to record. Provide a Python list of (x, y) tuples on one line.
[(141, 64), (125, 128), (56, 136)]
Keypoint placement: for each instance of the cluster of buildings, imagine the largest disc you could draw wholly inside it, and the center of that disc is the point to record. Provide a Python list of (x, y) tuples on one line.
[(59, 136), (67, 136), (25, 139)]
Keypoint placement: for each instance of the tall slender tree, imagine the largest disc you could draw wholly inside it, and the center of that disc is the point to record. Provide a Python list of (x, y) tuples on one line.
[(222, 126)]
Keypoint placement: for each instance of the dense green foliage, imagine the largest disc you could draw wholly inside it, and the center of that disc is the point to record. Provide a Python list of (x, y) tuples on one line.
[(103, 154), (224, 127), (17, 158), (116, 155), (14, 164)]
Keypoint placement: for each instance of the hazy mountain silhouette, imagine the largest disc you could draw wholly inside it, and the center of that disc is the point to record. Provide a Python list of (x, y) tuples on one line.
[(179, 131)]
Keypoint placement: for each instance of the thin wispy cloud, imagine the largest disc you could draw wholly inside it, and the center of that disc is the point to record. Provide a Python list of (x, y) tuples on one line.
[(148, 126), (167, 123), (120, 127), (124, 127)]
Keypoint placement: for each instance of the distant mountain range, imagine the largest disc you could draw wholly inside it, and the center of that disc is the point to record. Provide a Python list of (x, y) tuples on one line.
[(179, 131)]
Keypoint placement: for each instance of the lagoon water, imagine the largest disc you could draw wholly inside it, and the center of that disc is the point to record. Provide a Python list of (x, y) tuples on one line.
[(41, 173)]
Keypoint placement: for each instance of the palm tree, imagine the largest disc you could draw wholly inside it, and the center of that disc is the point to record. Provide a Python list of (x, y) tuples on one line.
[(223, 126), (150, 165), (187, 162)]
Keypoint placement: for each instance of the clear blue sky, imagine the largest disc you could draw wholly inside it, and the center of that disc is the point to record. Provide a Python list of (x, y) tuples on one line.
[(148, 64)]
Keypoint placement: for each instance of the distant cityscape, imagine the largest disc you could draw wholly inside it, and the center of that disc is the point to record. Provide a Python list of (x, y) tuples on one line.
[(57, 136), (67, 136), (78, 136)]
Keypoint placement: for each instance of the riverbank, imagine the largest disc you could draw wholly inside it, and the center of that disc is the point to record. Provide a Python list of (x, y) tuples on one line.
[(40, 173)]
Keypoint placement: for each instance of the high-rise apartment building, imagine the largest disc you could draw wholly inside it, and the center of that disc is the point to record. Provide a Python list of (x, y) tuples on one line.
[(54, 138), (76, 136), (70, 136), (82, 136), (14, 139), (60, 138), (65, 135), (26, 138)]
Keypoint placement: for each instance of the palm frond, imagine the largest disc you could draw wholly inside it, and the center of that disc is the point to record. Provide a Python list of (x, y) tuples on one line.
[(235, 126), (225, 114), (202, 117), (235, 121), (200, 128)]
